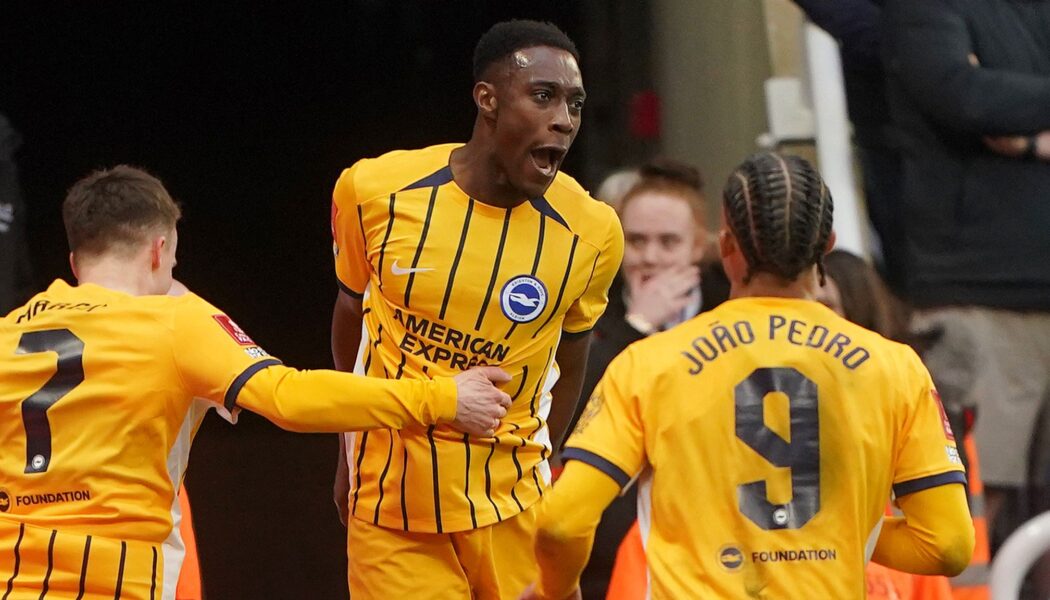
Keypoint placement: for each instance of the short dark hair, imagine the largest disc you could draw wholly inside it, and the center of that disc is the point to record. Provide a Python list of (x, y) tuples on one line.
[(781, 213), (507, 37), (116, 209)]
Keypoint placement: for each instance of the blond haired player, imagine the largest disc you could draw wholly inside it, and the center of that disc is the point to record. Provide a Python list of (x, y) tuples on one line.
[(767, 434), (97, 402)]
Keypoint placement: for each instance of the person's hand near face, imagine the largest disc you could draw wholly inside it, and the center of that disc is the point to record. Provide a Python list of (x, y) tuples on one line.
[(664, 243)]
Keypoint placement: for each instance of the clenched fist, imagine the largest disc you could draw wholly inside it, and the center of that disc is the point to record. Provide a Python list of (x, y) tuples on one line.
[(479, 403)]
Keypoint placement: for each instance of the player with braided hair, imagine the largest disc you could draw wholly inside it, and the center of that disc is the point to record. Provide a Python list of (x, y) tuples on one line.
[(783, 423), (793, 228)]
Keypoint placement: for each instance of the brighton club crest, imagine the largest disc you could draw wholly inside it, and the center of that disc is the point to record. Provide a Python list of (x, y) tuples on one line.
[(523, 298)]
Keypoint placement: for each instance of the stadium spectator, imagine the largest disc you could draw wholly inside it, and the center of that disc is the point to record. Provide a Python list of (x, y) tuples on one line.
[(15, 273), (965, 79), (664, 220), (855, 291), (613, 188), (716, 423), (857, 26)]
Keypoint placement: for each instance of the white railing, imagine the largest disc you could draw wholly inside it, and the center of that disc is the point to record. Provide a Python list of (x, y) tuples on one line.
[(813, 108), (1017, 555)]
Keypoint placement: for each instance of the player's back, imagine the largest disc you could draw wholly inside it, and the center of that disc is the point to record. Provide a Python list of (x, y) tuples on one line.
[(91, 417), (775, 431)]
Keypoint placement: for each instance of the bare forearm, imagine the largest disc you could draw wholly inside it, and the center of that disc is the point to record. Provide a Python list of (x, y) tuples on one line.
[(572, 360), (346, 331), (346, 336)]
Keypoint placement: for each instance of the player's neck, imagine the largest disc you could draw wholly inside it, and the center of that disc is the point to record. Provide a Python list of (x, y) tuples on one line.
[(763, 284), (476, 172), (116, 275)]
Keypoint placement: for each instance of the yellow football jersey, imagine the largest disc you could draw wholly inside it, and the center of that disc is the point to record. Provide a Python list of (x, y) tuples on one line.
[(96, 416), (768, 435), (454, 282)]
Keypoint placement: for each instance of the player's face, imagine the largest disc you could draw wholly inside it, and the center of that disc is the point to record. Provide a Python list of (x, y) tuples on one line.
[(540, 103), (660, 234)]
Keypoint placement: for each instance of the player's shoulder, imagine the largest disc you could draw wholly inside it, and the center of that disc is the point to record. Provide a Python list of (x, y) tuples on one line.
[(890, 360), (591, 219), (655, 353), (391, 172)]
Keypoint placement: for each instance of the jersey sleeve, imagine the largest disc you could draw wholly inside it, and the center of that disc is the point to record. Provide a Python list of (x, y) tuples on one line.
[(585, 311), (352, 268), (214, 356), (219, 362), (609, 435), (926, 453)]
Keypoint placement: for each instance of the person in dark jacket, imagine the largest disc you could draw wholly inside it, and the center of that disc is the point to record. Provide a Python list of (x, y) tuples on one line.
[(659, 285), (857, 26), (965, 78), (16, 282)]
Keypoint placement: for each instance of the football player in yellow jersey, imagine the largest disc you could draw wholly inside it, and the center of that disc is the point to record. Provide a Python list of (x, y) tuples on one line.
[(102, 386), (476, 253), (766, 434)]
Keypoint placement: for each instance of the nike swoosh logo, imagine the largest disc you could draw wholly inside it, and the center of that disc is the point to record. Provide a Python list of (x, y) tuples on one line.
[(396, 270)]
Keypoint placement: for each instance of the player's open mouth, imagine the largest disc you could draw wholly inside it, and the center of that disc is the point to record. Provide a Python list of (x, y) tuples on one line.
[(547, 159)]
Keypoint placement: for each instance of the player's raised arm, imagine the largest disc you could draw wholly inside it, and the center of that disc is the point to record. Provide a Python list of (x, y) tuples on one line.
[(217, 360), (329, 401)]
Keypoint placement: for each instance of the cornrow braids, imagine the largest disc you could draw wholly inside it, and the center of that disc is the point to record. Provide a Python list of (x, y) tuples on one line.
[(780, 211)]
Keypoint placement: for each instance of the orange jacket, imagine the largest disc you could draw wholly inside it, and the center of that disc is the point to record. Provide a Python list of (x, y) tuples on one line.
[(972, 584), (189, 587)]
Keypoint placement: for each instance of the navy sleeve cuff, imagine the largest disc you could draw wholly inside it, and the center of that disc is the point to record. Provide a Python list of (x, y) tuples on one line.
[(930, 481), (618, 475), (348, 291), (571, 335), (230, 400)]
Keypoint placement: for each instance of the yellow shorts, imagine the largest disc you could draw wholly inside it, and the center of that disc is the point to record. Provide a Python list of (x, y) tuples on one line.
[(490, 563), (68, 566)]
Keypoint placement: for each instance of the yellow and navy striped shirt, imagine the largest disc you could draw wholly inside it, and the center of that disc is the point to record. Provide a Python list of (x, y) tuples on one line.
[(452, 283)]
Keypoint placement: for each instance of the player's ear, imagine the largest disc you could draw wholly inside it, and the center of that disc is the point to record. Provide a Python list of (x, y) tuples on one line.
[(156, 251), (831, 243), (726, 243), (73, 266), (485, 98)]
